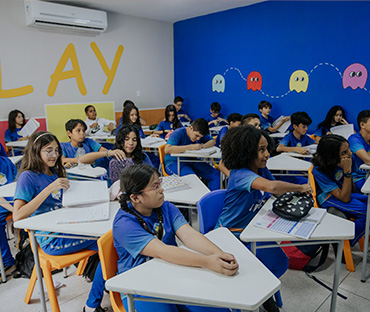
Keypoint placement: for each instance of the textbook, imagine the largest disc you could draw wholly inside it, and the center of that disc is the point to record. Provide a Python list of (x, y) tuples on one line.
[(30, 127), (284, 127), (85, 201), (204, 151), (174, 183)]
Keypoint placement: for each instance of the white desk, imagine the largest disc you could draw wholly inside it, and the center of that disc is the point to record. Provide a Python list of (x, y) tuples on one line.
[(17, 145), (172, 283), (278, 134), (366, 168), (16, 159), (297, 155), (332, 229), (48, 222), (366, 190), (85, 171), (102, 137), (286, 163), (152, 147), (216, 130), (8, 190)]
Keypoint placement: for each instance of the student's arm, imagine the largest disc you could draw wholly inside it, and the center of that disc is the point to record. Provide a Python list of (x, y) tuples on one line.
[(90, 158), (176, 149), (69, 160), (279, 187), (7, 206), (365, 157), (276, 128), (209, 143), (223, 169), (344, 193), (283, 148), (23, 209)]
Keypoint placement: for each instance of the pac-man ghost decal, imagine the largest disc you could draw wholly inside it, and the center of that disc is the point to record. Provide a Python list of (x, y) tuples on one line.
[(355, 76), (254, 81), (298, 81), (218, 83)]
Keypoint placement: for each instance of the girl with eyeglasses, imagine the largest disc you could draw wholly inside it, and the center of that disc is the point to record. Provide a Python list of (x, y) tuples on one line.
[(40, 186), (146, 226)]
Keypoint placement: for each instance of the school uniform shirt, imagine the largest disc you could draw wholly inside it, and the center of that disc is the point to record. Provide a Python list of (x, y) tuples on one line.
[(178, 138), (165, 125), (29, 185), (141, 132), (242, 202), (182, 112), (222, 123), (321, 132), (221, 135), (8, 173), (99, 128), (88, 145), (356, 143), (291, 140), (12, 136), (266, 122), (130, 238)]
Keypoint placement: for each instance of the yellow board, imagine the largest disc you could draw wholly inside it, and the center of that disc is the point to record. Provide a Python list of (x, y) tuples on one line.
[(58, 114)]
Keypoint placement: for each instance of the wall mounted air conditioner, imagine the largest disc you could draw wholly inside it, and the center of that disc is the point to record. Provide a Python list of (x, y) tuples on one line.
[(59, 16)]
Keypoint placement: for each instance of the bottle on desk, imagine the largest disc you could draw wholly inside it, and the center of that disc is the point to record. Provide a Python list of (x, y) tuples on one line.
[(79, 154)]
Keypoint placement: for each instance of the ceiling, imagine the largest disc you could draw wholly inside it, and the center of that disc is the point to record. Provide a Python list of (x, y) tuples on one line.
[(163, 10)]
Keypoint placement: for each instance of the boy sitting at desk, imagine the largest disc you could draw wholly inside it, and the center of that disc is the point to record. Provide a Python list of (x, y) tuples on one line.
[(192, 138), (252, 120), (266, 120), (360, 147), (297, 139), (216, 119), (234, 120), (95, 125), (178, 103)]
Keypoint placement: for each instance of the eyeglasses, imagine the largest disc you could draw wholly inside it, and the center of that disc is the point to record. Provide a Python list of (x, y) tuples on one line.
[(50, 152), (156, 187)]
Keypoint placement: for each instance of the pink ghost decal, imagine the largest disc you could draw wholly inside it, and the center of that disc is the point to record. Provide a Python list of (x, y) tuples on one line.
[(355, 76), (254, 81)]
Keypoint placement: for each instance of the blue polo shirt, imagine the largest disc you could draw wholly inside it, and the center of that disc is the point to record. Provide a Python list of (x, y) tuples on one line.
[(182, 112), (165, 125), (221, 135), (12, 136), (291, 140), (356, 143), (89, 146), (266, 122), (222, 123), (141, 132)]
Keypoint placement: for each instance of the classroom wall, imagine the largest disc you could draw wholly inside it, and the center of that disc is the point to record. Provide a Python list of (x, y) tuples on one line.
[(29, 57), (275, 39)]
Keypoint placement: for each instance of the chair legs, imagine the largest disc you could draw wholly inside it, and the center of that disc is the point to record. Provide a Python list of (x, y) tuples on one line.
[(31, 286), (348, 256)]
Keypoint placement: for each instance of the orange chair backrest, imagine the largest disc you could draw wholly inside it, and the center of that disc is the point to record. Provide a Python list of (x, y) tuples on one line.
[(161, 159), (312, 181)]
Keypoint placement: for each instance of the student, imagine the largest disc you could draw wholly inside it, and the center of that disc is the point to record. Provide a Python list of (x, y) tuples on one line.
[(252, 120), (266, 120), (8, 173), (127, 140), (216, 118), (334, 117), (297, 139), (16, 121), (234, 120), (170, 123), (130, 116), (40, 186), (194, 137), (129, 102), (178, 102), (360, 147), (245, 151), (76, 130), (95, 126), (333, 176), (146, 226)]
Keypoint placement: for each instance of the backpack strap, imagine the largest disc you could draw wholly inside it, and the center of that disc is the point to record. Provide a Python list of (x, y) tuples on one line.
[(324, 254)]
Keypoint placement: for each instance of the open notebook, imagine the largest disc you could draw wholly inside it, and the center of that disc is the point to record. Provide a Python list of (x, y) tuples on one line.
[(85, 201), (174, 183)]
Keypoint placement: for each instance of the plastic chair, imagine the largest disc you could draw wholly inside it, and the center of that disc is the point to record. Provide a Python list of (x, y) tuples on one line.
[(108, 260), (346, 246), (209, 209), (50, 263), (161, 159)]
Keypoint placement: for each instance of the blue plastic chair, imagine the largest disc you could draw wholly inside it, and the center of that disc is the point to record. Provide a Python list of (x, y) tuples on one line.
[(209, 209)]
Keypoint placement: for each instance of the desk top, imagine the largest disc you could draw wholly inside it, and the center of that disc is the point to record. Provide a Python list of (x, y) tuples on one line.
[(365, 167), (278, 134), (17, 143), (189, 154), (145, 143), (331, 227), (103, 136), (86, 171), (285, 162), (48, 222), (248, 289), (297, 155), (188, 196), (8, 190), (366, 187), (16, 159)]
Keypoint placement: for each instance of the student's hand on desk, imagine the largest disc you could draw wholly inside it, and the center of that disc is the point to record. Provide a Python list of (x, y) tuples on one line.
[(195, 147), (223, 263), (301, 150), (306, 189), (119, 154), (60, 183)]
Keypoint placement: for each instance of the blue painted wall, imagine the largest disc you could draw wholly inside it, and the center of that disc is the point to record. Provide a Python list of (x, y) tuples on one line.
[(275, 39)]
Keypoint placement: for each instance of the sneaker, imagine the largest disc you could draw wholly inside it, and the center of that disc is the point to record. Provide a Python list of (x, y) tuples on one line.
[(270, 305), (98, 309), (9, 269)]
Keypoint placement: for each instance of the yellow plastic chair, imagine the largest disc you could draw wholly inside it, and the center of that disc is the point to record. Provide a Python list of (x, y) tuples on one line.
[(346, 246), (161, 159), (50, 263), (108, 260)]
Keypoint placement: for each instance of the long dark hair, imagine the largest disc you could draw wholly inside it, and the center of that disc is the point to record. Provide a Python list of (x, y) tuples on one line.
[(327, 155), (11, 119), (176, 123), (326, 124), (32, 157), (126, 115), (133, 181), (137, 155)]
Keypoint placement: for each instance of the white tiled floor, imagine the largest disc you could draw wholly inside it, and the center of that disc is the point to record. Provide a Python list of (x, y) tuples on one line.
[(299, 292)]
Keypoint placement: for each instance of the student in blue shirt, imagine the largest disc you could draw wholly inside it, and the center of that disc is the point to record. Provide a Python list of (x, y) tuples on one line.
[(194, 137), (333, 176), (40, 186), (178, 102), (266, 120), (170, 122), (360, 147), (16, 121), (252, 120), (146, 226), (245, 151), (297, 139), (234, 120), (130, 116), (8, 173), (216, 118)]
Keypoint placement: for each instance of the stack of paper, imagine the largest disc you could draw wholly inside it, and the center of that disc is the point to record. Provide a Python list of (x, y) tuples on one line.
[(174, 183)]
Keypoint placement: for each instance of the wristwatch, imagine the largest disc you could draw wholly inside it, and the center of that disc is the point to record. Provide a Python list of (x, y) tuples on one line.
[(348, 174)]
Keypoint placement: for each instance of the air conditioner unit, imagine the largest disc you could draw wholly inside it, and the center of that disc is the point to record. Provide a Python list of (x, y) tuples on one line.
[(59, 16)]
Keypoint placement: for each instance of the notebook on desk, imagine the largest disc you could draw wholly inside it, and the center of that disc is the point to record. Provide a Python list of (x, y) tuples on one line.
[(85, 201), (174, 183), (204, 151)]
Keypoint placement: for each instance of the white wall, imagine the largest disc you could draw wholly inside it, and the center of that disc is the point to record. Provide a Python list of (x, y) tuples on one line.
[(29, 56)]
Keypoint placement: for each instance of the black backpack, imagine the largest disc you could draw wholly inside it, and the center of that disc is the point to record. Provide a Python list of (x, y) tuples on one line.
[(24, 261)]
